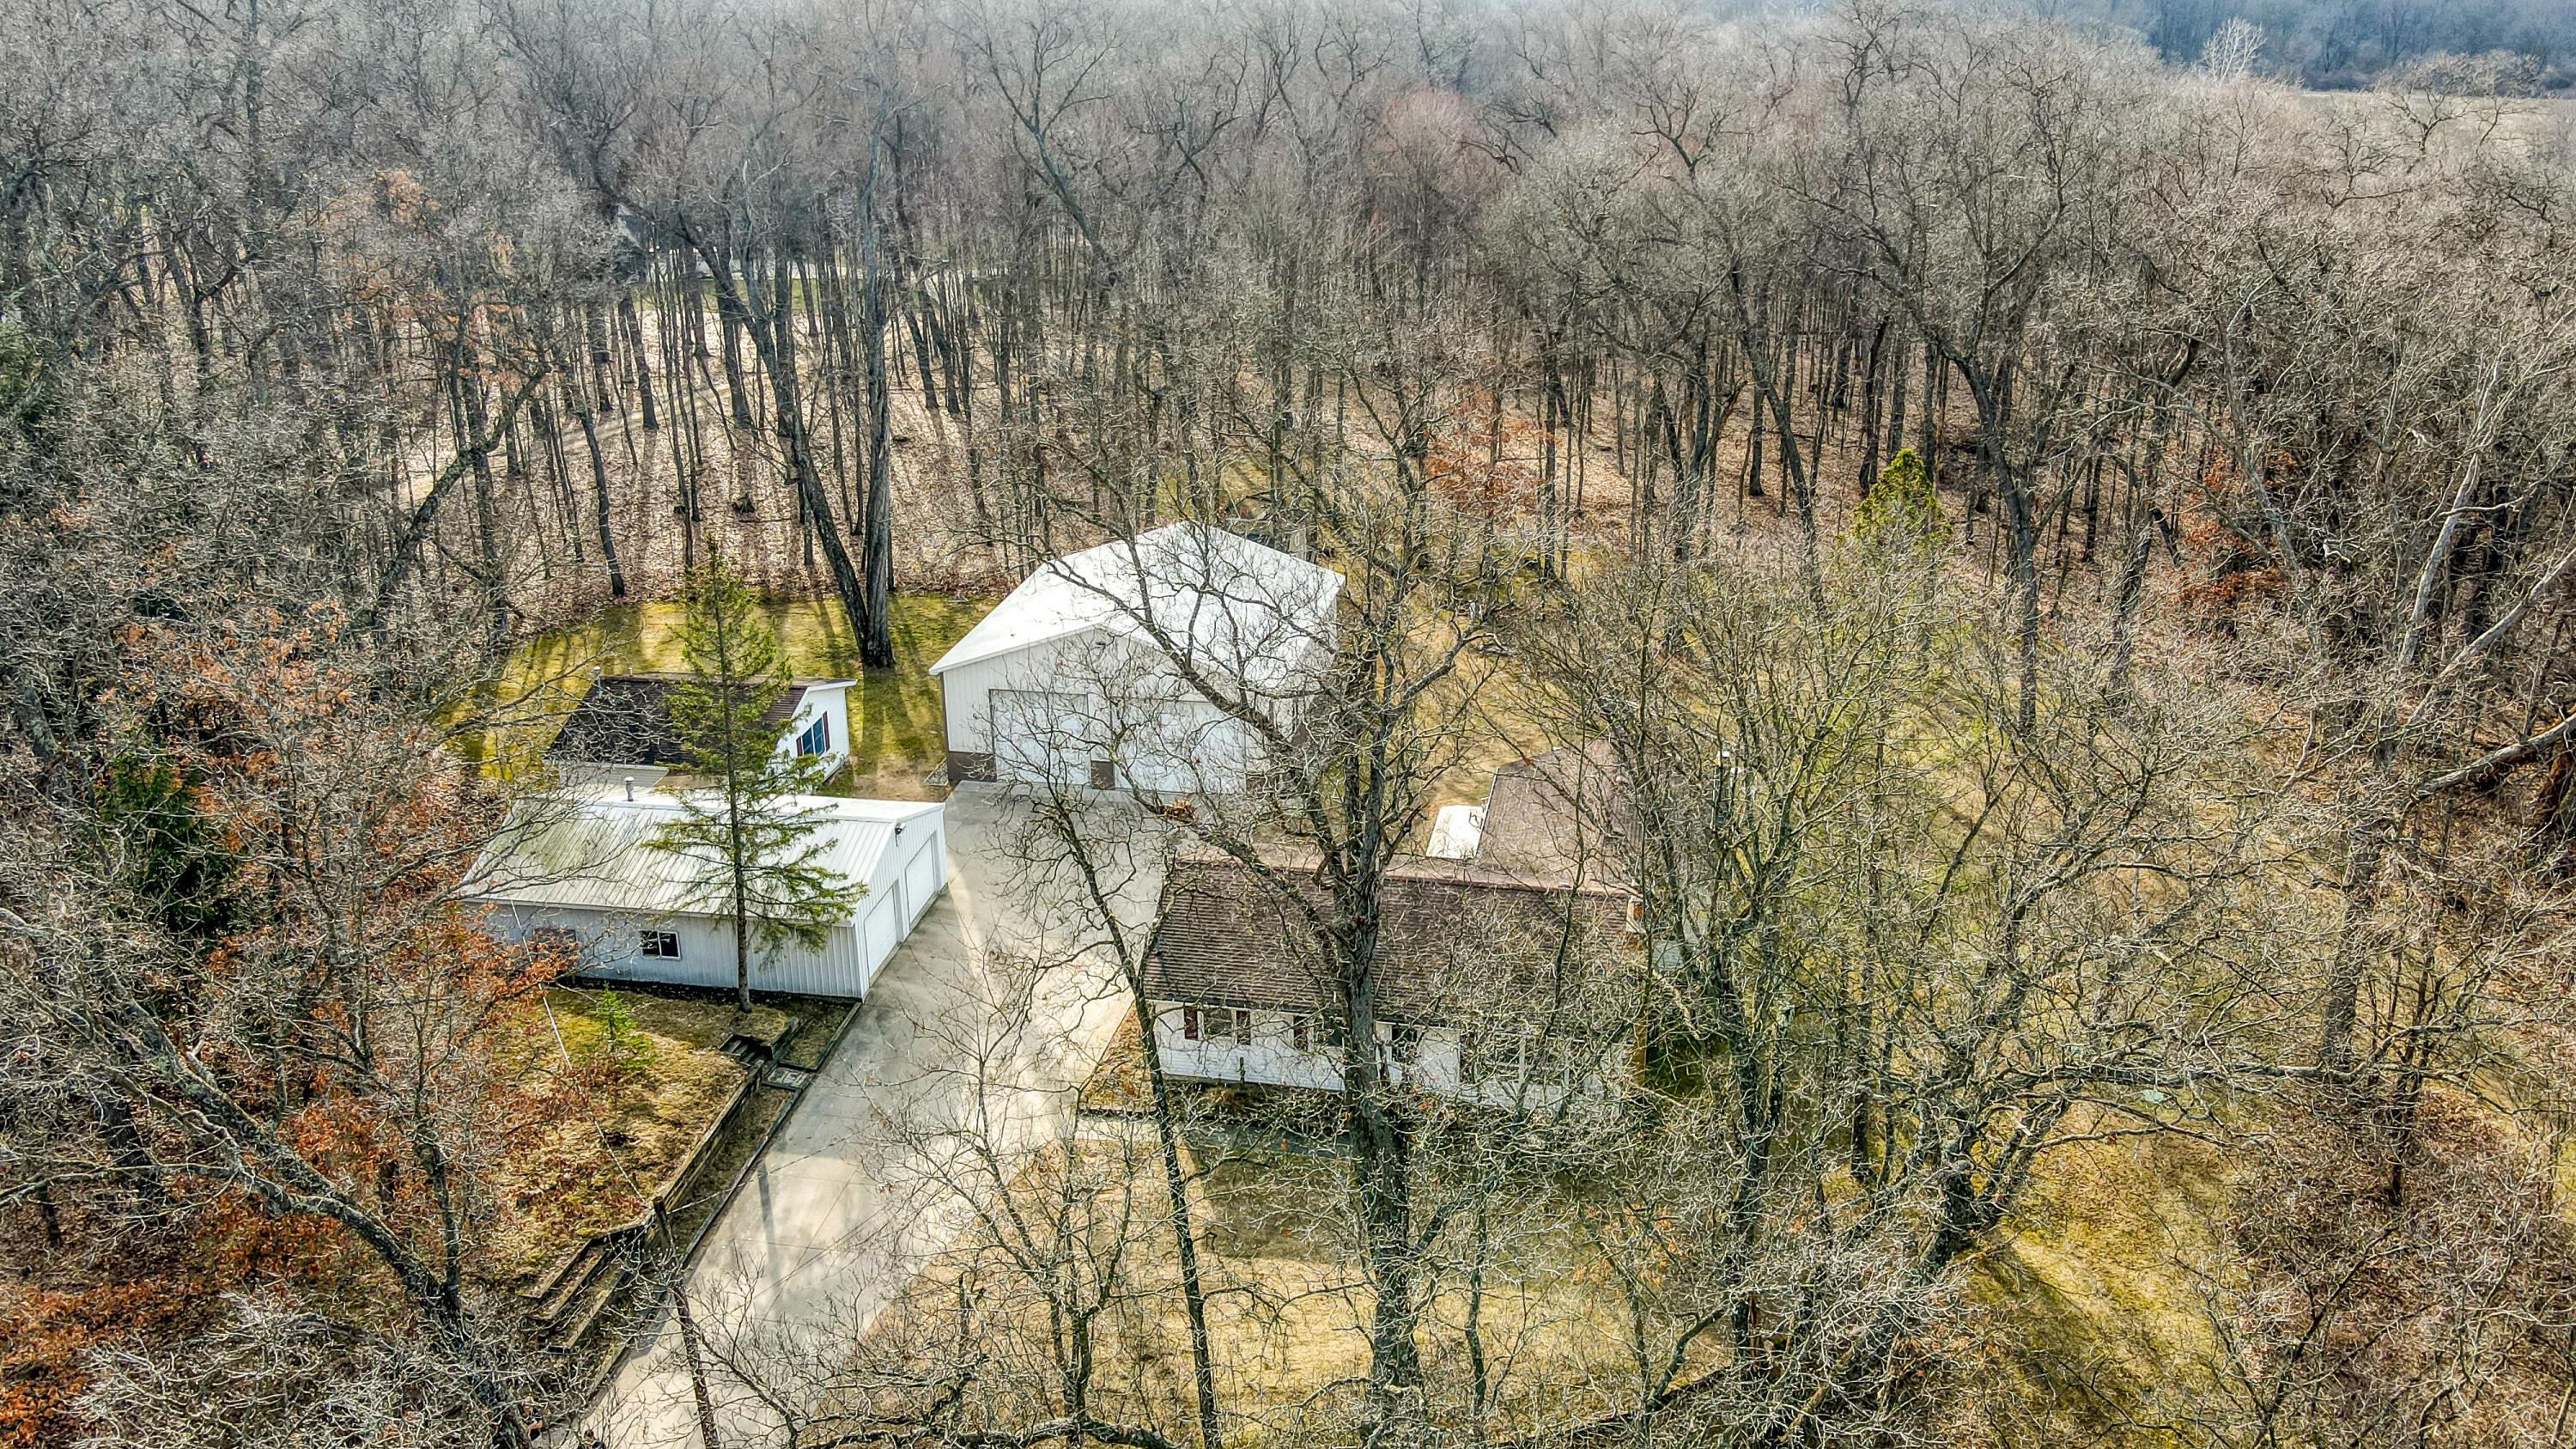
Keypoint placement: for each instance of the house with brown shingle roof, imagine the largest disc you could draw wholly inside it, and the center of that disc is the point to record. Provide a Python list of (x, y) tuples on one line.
[(622, 731), (1489, 985)]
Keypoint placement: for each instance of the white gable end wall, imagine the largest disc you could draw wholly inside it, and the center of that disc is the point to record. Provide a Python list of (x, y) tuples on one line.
[(967, 690), (831, 704), (1095, 697), (1068, 645)]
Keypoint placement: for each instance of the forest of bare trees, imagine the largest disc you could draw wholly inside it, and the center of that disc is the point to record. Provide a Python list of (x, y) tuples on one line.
[(2066, 547)]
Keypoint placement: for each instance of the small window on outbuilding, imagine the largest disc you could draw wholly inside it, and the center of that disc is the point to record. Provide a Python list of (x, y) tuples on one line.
[(1189, 1023), (1243, 1028), (817, 738), (661, 945), (1104, 774), (1301, 1031)]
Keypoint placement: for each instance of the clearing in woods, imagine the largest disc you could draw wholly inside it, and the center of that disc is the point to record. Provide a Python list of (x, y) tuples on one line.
[(894, 713)]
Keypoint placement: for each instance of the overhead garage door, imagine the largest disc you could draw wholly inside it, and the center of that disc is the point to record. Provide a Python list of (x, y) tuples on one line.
[(884, 933), (1038, 737), (921, 878)]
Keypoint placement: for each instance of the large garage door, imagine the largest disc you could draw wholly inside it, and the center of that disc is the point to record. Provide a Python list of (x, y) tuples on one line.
[(1038, 737)]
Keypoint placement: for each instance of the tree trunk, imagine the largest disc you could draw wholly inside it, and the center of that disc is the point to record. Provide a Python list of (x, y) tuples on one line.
[(773, 342), (875, 623), (599, 490), (632, 322)]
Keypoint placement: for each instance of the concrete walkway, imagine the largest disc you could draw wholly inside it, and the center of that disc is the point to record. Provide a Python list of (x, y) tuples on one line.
[(848, 1205)]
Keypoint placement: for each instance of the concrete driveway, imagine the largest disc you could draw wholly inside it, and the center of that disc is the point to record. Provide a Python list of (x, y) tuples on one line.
[(959, 1033)]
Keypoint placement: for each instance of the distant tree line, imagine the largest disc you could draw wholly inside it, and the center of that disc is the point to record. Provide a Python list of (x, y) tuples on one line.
[(2348, 44)]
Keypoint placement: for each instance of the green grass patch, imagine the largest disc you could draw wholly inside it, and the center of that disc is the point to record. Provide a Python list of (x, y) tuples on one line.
[(896, 710)]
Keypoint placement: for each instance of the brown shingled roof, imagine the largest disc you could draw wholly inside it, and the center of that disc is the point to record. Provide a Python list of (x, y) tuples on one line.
[(1231, 938), (1558, 813), (625, 719)]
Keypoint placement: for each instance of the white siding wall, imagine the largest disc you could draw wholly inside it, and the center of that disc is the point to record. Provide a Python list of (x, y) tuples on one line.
[(1271, 1059), (833, 704), (966, 691), (1168, 740), (610, 944), (910, 875)]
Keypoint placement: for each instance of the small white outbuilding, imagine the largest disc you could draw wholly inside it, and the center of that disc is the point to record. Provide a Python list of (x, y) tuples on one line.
[(621, 731), (1077, 678), (585, 868)]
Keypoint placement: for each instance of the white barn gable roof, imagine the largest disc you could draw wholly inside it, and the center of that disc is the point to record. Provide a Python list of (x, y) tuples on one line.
[(1234, 602)]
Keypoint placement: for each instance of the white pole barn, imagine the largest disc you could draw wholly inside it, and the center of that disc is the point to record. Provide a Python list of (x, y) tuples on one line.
[(1071, 679), (585, 869)]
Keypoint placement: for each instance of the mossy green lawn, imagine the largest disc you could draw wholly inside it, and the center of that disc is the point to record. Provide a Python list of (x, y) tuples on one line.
[(895, 712)]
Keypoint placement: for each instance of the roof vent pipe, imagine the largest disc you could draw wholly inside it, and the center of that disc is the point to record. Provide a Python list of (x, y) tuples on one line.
[(630, 789)]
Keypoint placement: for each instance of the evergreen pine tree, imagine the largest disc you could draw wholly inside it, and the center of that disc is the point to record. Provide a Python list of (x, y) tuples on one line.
[(762, 851), (1901, 507)]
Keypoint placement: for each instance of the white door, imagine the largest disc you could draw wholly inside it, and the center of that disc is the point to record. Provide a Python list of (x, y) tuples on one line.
[(921, 877), (883, 935), (1038, 737)]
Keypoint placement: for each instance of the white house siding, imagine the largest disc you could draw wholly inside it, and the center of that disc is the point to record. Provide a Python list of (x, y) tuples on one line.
[(1033, 713), (966, 691), (1271, 1058)]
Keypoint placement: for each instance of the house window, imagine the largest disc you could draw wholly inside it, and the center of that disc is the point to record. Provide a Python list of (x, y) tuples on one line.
[(1301, 1031), (1189, 1023), (1243, 1028), (1406, 1041), (1104, 774), (817, 738), (662, 945), (1468, 1067)]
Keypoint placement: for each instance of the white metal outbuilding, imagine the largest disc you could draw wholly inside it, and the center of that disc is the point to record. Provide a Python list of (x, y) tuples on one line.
[(1071, 680), (586, 867)]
